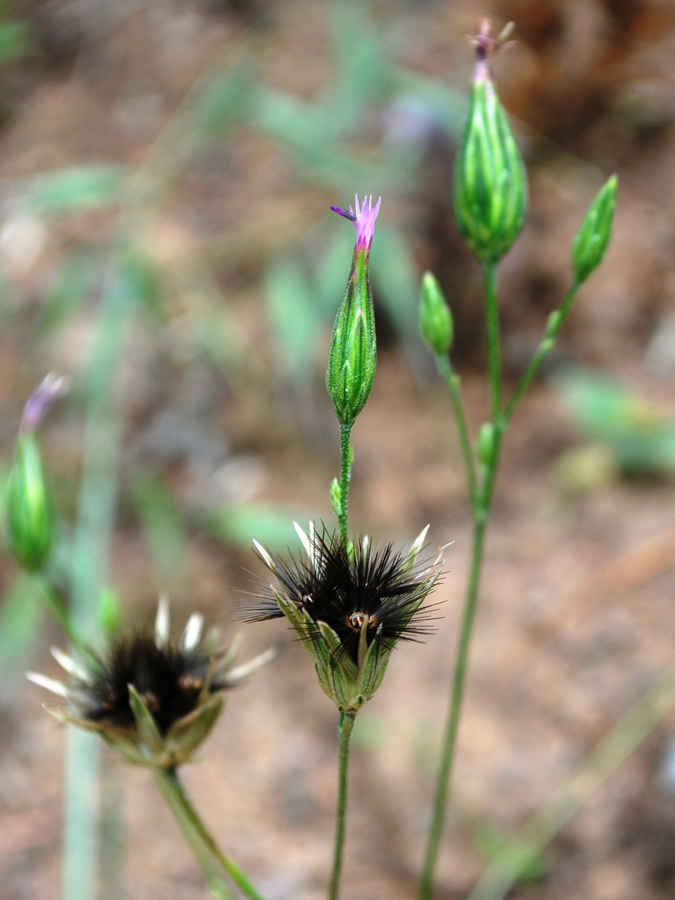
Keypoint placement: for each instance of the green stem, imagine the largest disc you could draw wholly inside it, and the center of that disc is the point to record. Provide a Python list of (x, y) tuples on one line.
[(543, 350), (481, 506), (344, 732), (345, 469), (453, 382), (210, 856), (494, 353)]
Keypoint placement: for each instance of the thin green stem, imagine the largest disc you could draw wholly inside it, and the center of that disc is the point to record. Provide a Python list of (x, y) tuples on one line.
[(345, 470), (482, 502), (543, 350), (453, 382), (210, 856), (494, 352), (344, 732), (452, 726)]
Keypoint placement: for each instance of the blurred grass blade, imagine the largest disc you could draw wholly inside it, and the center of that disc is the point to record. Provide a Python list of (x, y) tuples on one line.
[(163, 526), (69, 190), (237, 523)]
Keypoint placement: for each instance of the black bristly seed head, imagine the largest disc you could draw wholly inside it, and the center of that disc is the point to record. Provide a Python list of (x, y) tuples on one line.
[(350, 605), (168, 679), (153, 701)]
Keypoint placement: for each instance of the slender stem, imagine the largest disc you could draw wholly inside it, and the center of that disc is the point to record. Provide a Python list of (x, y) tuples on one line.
[(210, 856), (453, 382), (543, 350), (344, 732), (452, 726), (482, 503), (626, 735), (494, 353), (345, 469)]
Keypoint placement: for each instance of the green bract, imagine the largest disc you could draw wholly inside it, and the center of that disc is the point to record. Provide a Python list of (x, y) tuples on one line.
[(29, 510), (595, 232), (435, 317), (490, 180)]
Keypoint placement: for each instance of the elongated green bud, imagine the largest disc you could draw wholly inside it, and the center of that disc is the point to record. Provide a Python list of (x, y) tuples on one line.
[(29, 511), (490, 179), (595, 232), (353, 351), (436, 323)]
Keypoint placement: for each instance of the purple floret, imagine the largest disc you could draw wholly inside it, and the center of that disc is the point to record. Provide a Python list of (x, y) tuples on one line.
[(363, 219)]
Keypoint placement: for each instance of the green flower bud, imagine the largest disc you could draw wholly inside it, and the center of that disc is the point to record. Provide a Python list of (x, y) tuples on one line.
[(353, 352), (490, 181), (29, 510), (436, 323), (595, 232)]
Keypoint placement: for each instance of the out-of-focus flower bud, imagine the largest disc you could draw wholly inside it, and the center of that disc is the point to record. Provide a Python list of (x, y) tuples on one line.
[(436, 323), (490, 179), (29, 511), (595, 232), (353, 351)]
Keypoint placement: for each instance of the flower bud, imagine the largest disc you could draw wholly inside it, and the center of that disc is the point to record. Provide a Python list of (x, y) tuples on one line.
[(595, 232), (435, 317), (490, 182), (353, 351), (29, 511)]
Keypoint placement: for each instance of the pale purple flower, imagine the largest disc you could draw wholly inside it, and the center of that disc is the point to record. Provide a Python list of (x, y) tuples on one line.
[(363, 219), (45, 395)]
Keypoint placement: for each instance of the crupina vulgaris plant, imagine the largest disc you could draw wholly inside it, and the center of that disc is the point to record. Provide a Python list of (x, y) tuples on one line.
[(490, 201), (348, 602)]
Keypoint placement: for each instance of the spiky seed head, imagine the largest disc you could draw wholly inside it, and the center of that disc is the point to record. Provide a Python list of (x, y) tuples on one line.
[(349, 606)]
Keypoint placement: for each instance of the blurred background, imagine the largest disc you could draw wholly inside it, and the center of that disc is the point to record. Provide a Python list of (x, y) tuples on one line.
[(166, 172)]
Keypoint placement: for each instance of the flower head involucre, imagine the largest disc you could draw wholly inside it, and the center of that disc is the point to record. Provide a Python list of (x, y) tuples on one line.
[(350, 605), (153, 701)]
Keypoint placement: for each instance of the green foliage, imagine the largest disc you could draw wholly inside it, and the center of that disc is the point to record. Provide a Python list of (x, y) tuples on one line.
[(638, 434)]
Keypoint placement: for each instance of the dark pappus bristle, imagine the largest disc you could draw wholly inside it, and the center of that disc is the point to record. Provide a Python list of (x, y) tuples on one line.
[(168, 679), (344, 589)]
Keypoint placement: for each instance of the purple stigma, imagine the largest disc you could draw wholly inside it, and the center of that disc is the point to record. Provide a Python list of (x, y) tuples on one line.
[(363, 219), (45, 395)]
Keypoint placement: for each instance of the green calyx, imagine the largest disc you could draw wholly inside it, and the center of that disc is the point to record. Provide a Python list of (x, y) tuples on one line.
[(595, 232), (353, 351), (490, 182), (349, 685), (436, 322), (29, 509)]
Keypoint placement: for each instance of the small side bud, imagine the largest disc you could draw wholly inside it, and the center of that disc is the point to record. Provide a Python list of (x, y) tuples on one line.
[(436, 322), (485, 443), (595, 232), (490, 182), (29, 511)]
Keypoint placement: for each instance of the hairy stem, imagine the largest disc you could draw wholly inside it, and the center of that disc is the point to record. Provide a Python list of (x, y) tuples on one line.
[(344, 732), (345, 471)]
